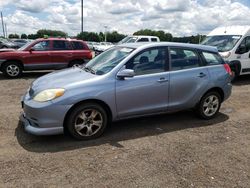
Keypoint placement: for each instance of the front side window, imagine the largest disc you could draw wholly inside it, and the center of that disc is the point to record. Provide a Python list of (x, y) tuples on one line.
[(148, 62), (212, 59), (183, 59), (244, 46), (41, 46), (107, 60), (61, 45)]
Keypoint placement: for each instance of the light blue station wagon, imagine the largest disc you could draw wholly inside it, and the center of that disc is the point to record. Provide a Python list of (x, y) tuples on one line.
[(126, 81)]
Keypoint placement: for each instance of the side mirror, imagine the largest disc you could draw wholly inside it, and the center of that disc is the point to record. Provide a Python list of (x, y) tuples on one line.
[(32, 49), (241, 49), (126, 73)]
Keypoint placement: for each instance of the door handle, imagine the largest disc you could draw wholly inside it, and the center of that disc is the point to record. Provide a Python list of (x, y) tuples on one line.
[(161, 80), (201, 75)]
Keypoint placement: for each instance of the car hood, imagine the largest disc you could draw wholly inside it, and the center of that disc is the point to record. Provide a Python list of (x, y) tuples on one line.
[(7, 50), (60, 79)]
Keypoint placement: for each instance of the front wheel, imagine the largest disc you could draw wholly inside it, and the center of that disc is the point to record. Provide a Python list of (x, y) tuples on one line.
[(209, 105), (76, 63), (87, 121), (12, 69)]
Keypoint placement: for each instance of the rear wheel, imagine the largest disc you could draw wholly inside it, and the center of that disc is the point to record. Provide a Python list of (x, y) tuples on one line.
[(87, 121), (12, 69), (209, 105), (76, 63)]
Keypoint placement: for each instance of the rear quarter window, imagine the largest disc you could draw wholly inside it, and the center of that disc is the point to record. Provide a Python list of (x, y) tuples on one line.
[(78, 45), (212, 58)]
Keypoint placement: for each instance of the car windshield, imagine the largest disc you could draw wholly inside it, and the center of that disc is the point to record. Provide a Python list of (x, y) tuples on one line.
[(128, 39), (107, 60), (222, 42), (24, 46), (5, 40)]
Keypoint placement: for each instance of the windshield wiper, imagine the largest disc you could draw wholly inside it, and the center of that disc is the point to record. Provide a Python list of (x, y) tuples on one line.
[(88, 69)]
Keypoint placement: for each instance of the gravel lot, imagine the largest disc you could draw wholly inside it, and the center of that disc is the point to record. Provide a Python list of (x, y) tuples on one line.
[(175, 150)]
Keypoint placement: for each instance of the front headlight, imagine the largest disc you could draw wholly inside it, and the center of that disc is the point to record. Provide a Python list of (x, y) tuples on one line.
[(48, 94), (225, 54)]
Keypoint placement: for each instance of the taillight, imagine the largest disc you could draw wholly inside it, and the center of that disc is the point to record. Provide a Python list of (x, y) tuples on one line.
[(228, 69)]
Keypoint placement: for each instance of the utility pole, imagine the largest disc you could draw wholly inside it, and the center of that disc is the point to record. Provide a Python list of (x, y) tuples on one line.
[(105, 33), (82, 16), (6, 30), (2, 24)]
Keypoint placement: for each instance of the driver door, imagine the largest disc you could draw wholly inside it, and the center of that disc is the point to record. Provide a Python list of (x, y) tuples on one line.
[(38, 57), (147, 91), (243, 55)]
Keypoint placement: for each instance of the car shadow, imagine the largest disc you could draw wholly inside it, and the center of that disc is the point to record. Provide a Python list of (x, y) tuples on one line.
[(118, 131), (26, 75), (242, 80)]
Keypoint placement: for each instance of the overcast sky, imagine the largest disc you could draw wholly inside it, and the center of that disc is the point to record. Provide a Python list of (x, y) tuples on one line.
[(179, 17)]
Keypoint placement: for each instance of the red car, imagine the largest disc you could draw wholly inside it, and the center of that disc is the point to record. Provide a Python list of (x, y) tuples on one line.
[(44, 54)]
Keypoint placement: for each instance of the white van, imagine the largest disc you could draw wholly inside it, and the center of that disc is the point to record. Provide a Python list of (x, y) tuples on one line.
[(139, 38), (233, 44)]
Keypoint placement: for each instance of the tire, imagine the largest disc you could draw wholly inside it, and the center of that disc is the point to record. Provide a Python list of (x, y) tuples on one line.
[(208, 108), (76, 63), (12, 69), (87, 121), (236, 69)]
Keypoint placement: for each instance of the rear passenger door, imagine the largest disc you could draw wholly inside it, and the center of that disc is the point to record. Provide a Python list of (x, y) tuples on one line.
[(188, 78), (61, 53)]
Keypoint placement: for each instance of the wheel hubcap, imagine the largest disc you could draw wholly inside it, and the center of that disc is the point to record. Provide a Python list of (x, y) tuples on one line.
[(76, 65), (211, 105), (12, 70), (88, 122)]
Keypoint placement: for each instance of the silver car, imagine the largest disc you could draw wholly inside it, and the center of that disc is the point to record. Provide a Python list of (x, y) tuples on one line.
[(126, 81)]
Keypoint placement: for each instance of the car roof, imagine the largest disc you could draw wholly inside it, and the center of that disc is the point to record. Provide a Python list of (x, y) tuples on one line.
[(170, 44), (50, 38)]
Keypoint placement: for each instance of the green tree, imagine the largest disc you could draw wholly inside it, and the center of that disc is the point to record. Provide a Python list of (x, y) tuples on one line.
[(32, 36), (88, 36), (14, 36), (114, 37), (24, 36), (50, 33)]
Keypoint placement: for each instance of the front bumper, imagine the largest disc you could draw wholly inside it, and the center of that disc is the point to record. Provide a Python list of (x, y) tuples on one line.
[(43, 118), (38, 130)]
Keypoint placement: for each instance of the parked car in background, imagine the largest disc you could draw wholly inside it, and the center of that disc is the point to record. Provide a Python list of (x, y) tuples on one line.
[(44, 54), (19, 42), (102, 46), (5, 43), (233, 44), (139, 38), (128, 80)]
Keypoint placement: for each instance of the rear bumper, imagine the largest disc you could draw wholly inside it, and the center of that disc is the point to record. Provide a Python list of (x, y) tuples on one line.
[(38, 130), (227, 90)]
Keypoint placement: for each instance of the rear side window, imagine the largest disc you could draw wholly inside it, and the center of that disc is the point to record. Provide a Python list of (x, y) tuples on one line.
[(154, 39), (143, 40), (78, 45), (61, 45), (183, 59), (212, 59)]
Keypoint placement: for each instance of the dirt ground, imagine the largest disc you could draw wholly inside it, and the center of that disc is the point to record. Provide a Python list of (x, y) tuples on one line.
[(175, 150)]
